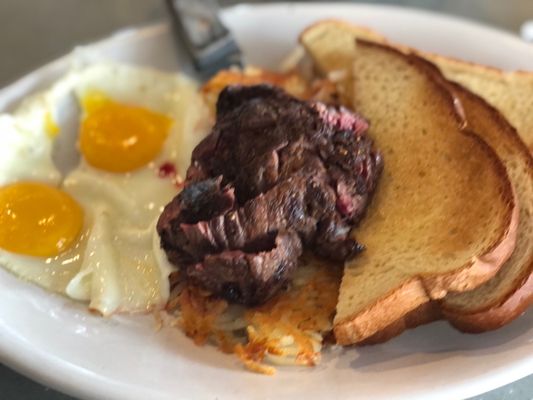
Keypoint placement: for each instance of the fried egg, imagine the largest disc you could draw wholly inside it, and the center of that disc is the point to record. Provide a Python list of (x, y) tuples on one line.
[(90, 234)]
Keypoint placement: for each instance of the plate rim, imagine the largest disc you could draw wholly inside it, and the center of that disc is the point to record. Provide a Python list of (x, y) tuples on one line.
[(395, 8)]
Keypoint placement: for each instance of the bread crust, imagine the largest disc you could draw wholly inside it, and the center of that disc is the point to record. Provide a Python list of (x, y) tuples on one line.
[(514, 306), (423, 289), (388, 317), (496, 317), (518, 145), (423, 314)]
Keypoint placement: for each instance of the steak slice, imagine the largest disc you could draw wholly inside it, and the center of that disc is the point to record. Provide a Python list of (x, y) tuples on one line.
[(249, 276), (274, 175)]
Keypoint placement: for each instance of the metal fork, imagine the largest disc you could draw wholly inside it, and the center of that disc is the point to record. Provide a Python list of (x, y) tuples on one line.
[(208, 42)]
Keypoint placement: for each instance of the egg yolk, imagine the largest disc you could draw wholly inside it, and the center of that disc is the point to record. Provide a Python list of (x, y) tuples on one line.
[(119, 138), (38, 220)]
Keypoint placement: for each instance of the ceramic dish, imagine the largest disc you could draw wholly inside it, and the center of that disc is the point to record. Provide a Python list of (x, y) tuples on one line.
[(57, 342)]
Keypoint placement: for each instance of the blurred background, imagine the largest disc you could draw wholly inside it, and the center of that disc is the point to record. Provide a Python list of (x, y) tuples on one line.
[(33, 32)]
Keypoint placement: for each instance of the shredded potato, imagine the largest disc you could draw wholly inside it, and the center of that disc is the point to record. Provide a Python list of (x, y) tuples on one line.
[(292, 82), (198, 314), (287, 330), (292, 324)]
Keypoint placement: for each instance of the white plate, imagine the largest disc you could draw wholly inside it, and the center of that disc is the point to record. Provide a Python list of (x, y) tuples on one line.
[(56, 342)]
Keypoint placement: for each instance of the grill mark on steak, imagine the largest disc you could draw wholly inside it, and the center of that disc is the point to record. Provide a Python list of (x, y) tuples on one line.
[(274, 175)]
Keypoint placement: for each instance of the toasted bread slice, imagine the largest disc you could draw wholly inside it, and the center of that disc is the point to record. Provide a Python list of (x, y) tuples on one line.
[(510, 292), (443, 218), (503, 298)]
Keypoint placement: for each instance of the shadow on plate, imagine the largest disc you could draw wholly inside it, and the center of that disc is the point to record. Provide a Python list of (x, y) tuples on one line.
[(437, 341)]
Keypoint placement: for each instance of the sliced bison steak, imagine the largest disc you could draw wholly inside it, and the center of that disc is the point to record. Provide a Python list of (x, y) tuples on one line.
[(275, 175)]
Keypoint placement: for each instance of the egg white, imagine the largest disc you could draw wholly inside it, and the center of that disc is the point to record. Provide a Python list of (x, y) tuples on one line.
[(25, 151), (26, 155), (117, 264)]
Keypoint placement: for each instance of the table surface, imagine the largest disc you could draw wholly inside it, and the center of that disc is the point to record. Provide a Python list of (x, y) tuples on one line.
[(35, 32)]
